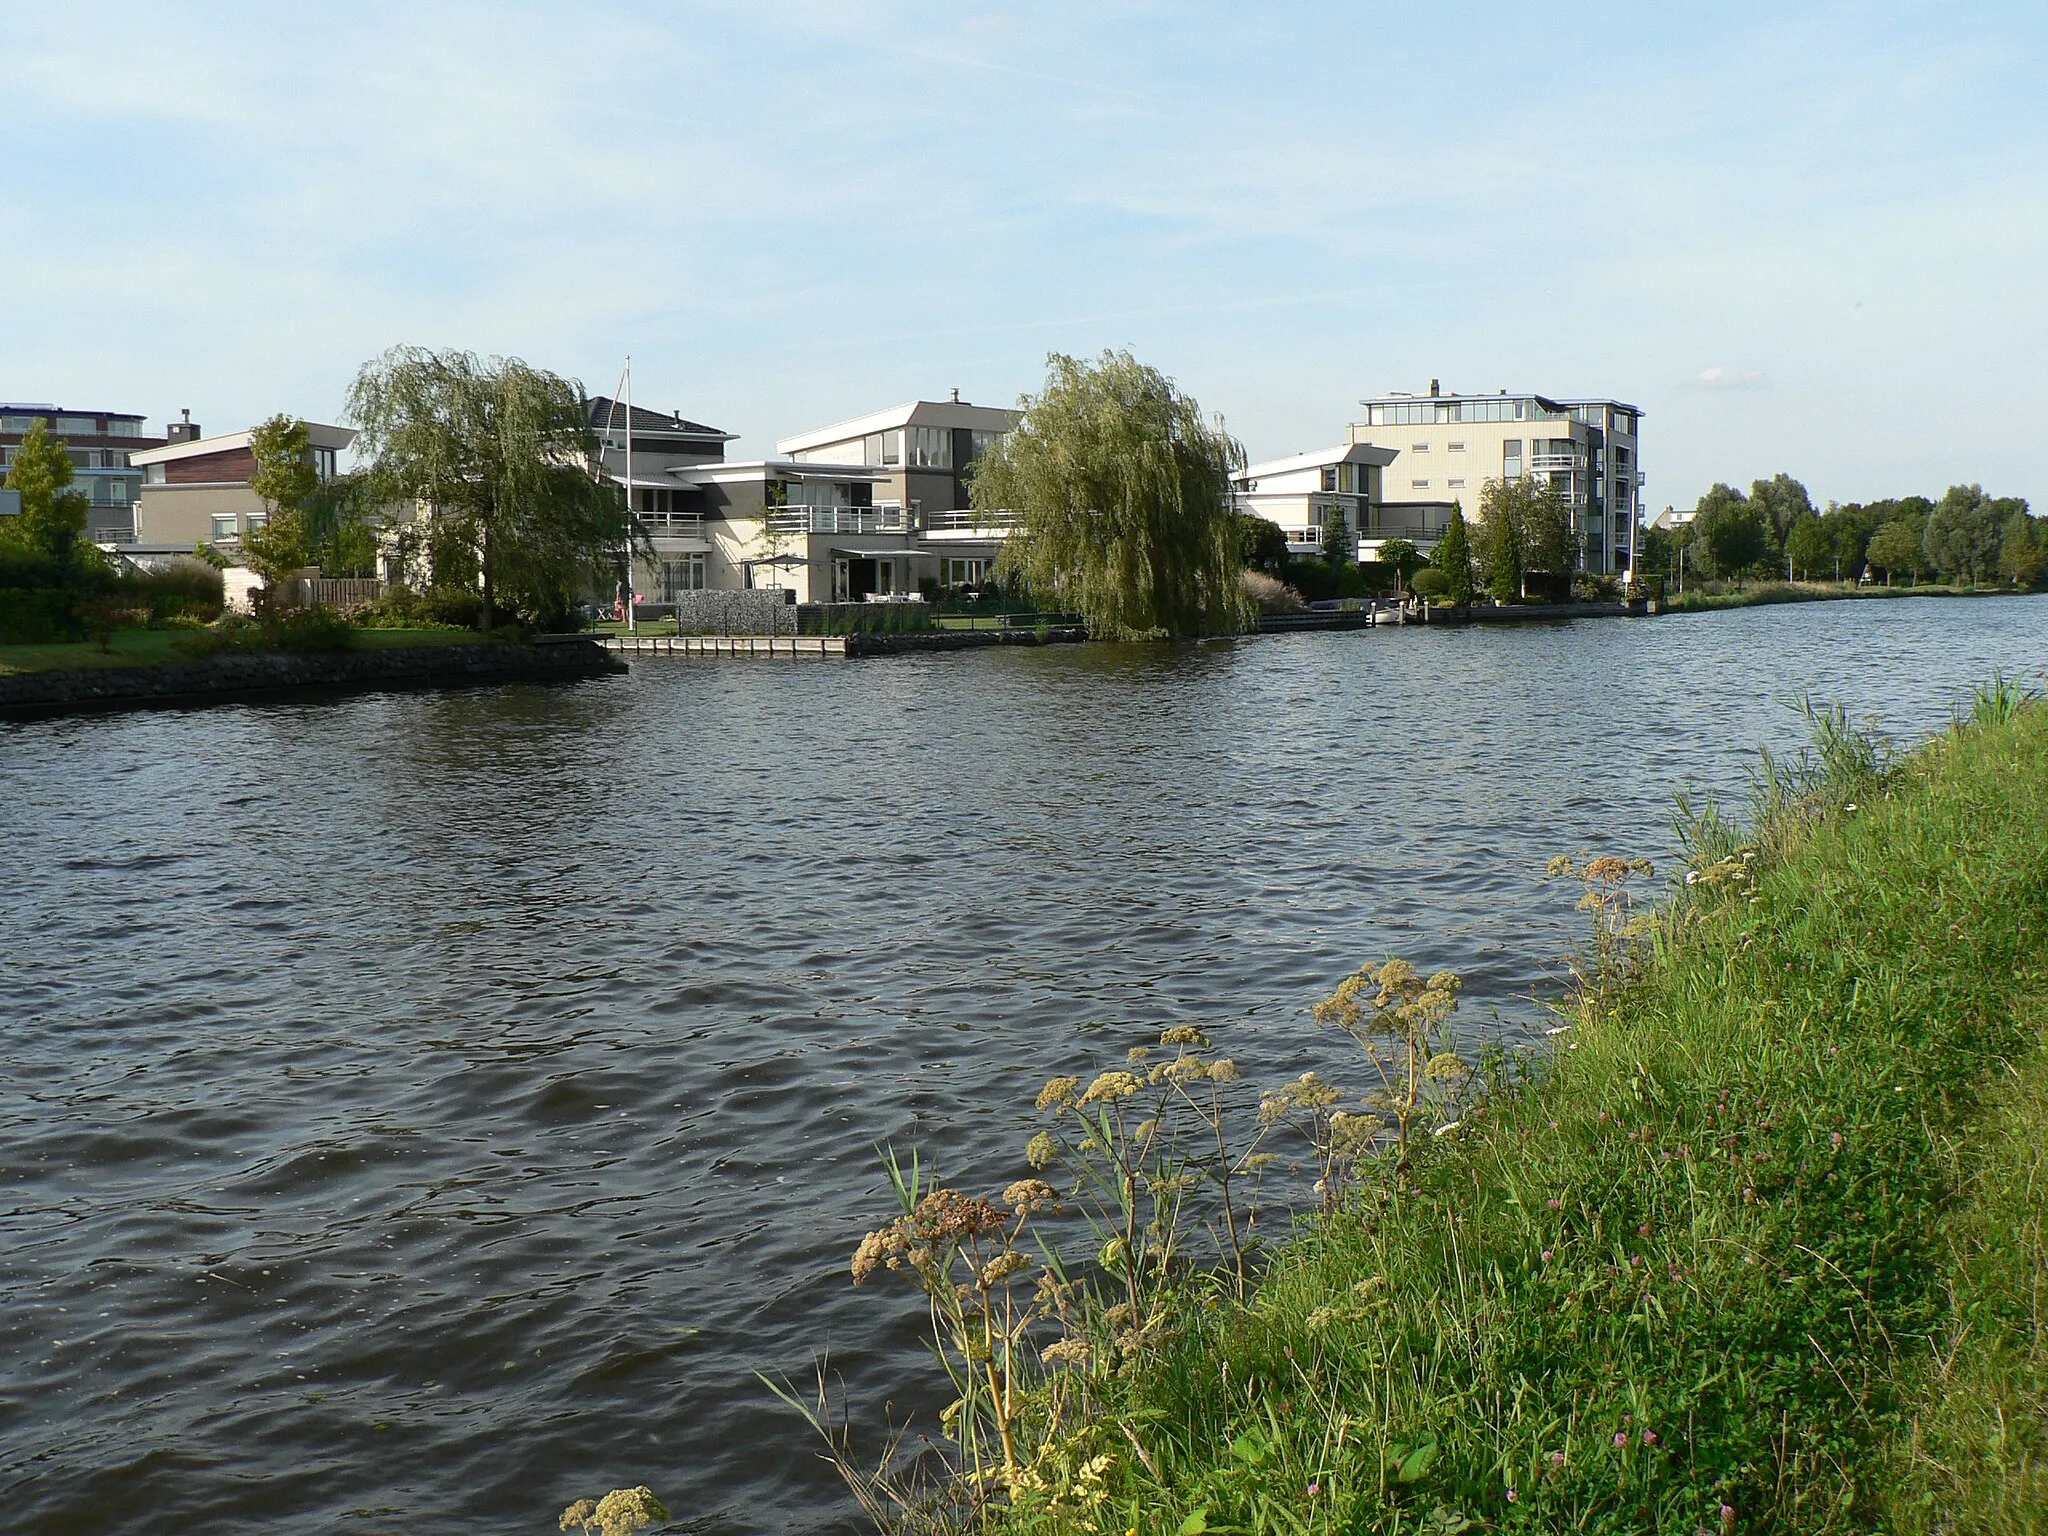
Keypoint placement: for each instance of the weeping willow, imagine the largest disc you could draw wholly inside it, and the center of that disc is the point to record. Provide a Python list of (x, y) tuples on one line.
[(1121, 498)]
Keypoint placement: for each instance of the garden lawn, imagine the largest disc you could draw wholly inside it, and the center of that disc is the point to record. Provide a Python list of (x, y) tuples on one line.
[(1756, 1245)]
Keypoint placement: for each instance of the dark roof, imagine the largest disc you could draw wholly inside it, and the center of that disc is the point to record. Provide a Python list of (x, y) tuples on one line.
[(605, 411)]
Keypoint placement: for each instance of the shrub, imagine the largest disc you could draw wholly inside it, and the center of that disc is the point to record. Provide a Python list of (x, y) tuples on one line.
[(1270, 593), (37, 617), (183, 589), (307, 630), (1429, 583), (435, 608)]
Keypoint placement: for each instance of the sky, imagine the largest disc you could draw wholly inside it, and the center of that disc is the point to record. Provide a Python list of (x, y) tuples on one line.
[(1803, 238)]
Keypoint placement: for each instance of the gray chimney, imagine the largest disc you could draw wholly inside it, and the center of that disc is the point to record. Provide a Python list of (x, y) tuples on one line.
[(1433, 390), (186, 431)]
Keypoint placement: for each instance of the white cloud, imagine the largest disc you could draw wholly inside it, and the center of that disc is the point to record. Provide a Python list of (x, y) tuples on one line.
[(1730, 378)]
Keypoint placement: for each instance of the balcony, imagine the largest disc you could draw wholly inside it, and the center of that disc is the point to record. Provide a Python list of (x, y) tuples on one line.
[(968, 524), (672, 525), (1555, 461), (883, 517)]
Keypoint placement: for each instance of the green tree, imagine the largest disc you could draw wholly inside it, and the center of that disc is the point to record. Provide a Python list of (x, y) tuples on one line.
[(1261, 542), (284, 478), (1962, 533), (1896, 547), (342, 523), (1808, 546), (1122, 499), (1730, 535), (2022, 557), (1453, 557), (1504, 569), (52, 520), (1532, 515), (1656, 551), (502, 455), (1848, 530), (1402, 558), (1783, 502), (1340, 544)]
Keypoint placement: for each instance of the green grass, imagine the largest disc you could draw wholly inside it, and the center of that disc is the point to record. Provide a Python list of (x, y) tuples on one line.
[(162, 647), (1756, 593), (1704, 1265)]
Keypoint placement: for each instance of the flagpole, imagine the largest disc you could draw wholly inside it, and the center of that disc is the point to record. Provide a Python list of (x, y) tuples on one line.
[(632, 504)]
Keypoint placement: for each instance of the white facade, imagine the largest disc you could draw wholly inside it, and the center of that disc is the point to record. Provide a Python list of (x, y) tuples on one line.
[(1299, 492)]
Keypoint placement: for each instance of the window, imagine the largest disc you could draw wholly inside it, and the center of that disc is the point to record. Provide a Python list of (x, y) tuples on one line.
[(1418, 447), (1329, 477), (930, 447), (963, 573), (1457, 485), (1511, 449), (323, 464), (153, 474), (1457, 447), (892, 447), (257, 520), (680, 574), (117, 491), (1420, 485), (224, 526), (980, 442)]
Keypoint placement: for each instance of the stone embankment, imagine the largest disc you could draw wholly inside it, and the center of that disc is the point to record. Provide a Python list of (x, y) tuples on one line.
[(268, 675), (840, 646)]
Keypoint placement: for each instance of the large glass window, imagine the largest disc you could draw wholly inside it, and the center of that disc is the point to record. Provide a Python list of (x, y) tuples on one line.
[(930, 447), (892, 447), (963, 572), (224, 527), (680, 574)]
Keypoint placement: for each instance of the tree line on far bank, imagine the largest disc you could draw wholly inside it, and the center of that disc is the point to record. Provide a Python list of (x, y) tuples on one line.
[(1967, 536)]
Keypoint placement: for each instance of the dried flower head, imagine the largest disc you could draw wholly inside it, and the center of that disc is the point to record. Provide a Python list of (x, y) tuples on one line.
[(1059, 1094), (1041, 1150), (1183, 1034), (1001, 1267), (1110, 1087), (1067, 1352), (619, 1513), (1029, 1194)]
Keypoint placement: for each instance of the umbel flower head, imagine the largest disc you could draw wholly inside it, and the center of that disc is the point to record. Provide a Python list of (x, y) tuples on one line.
[(619, 1513), (1110, 1087), (943, 1220)]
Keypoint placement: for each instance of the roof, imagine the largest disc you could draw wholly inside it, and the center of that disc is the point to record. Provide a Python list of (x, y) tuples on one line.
[(936, 413), (779, 469), (319, 435), (44, 408), (1549, 403), (607, 412), (1316, 458)]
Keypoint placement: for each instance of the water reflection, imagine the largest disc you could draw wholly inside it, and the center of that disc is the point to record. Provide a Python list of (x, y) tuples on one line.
[(438, 1106)]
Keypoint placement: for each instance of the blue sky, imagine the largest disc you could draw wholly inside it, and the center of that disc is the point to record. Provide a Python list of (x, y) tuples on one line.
[(1807, 238)]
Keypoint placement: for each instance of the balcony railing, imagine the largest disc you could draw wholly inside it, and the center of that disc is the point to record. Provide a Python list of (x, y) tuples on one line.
[(994, 525), (883, 517), (673, 525), (1555, 461)]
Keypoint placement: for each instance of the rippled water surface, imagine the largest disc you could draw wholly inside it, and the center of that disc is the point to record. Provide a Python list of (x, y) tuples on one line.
[(423, 1110)]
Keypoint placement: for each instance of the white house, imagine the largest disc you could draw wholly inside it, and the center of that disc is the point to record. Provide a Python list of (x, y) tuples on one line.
[(1301, 491)]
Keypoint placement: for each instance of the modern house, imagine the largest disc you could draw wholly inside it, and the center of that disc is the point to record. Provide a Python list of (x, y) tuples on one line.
[(873, 507), (102, 446), (1450, 445), (195, 490), (670, 510), (1301, 492)]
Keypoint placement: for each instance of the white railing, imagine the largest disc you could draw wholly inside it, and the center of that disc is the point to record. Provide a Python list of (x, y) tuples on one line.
[(966, 520), (1555, 461), (883, 517), (673, 525)]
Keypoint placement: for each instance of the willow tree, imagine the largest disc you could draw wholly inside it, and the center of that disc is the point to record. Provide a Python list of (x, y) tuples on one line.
[(1121, 496), (501, 455)]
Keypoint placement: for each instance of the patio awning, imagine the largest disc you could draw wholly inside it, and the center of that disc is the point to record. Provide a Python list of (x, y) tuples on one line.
[(782, 560)]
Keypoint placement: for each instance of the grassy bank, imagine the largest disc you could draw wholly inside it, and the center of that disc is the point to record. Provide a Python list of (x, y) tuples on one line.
[(163, 647), (1757, 593), (1755, 1245)]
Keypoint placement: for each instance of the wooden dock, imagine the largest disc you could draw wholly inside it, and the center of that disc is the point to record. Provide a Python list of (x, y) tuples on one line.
[(726, 645)]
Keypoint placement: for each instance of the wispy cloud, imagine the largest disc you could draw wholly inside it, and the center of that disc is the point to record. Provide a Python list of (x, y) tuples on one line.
[(1730, 378)]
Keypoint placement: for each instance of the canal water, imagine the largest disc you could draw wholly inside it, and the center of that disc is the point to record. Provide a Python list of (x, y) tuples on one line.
[(423, 1110)]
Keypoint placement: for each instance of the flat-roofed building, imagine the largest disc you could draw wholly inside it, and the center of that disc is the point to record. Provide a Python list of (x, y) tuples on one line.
[(102, 446), (195, 489), (1304, 491), (1450, 445)]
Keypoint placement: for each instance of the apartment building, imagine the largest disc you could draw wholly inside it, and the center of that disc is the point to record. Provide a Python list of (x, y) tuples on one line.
[(1450, 445), (195, 489), (102, 446), (1302, 491)]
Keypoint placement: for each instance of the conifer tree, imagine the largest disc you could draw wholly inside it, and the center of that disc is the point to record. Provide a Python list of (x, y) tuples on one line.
[(1453, 557)]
